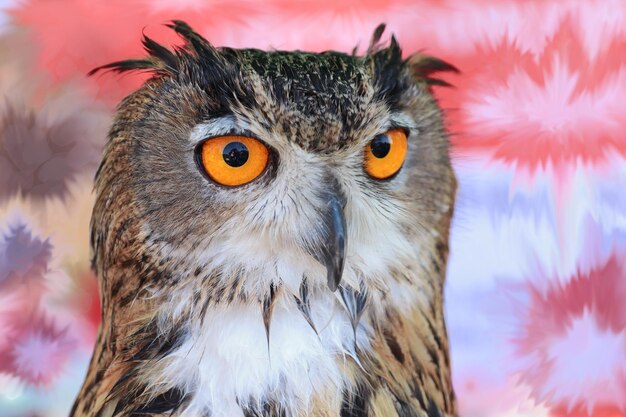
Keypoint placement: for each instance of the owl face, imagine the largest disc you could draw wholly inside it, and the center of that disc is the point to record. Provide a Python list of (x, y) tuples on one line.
[(266, 168)]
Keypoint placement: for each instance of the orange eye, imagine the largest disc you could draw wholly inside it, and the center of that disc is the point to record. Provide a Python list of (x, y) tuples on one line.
[(233, 160), (385, 154)]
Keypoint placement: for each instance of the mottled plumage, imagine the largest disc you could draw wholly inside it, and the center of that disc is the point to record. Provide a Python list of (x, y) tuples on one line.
[(215, 300)]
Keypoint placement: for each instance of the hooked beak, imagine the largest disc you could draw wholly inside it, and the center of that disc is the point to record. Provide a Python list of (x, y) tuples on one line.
[(333, 250)]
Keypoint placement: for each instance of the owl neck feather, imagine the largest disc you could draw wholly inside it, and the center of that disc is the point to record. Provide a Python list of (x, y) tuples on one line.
[(408, 342)]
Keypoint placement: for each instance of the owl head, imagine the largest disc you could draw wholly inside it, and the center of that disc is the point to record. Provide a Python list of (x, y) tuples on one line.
[(242, 172)]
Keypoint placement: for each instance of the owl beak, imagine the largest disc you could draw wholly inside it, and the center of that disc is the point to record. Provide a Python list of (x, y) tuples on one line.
[(332, 253)]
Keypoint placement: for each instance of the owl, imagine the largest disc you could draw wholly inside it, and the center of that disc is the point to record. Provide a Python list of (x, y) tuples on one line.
[(270, 234)]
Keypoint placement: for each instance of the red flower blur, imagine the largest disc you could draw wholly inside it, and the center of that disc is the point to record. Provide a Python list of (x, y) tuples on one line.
[(556, 108), (573, 338)]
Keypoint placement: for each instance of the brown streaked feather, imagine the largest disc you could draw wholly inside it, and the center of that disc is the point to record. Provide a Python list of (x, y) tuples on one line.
[(267, 307), (302, 301), (354, 302)]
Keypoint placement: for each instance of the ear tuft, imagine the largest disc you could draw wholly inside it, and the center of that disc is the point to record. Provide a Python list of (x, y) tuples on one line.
[(194, 41), (161, 60), (375, 44), (391, 53), (126, 65), (423, 66), (161, 54)]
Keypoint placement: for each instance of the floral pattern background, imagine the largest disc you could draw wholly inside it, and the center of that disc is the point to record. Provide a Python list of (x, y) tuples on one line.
[(536, 290)]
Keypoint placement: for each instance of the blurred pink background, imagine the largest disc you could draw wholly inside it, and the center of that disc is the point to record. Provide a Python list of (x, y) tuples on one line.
[(536, 290)]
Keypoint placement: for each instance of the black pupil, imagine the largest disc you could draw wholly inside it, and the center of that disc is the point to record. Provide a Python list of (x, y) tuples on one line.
[(380, 146), (235, 154)]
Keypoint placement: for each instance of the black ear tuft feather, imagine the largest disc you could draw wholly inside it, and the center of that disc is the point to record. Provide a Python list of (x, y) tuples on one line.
[(394, 46), (387, 67), (423, 66), (161, 60), (375, 44), (376, 47), (388, 62), (126, 65), (195, 42), (437, 82), (158, 51)]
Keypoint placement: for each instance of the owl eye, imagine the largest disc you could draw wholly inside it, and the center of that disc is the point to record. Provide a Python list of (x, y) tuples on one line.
[(233, 160), (385, 154)]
